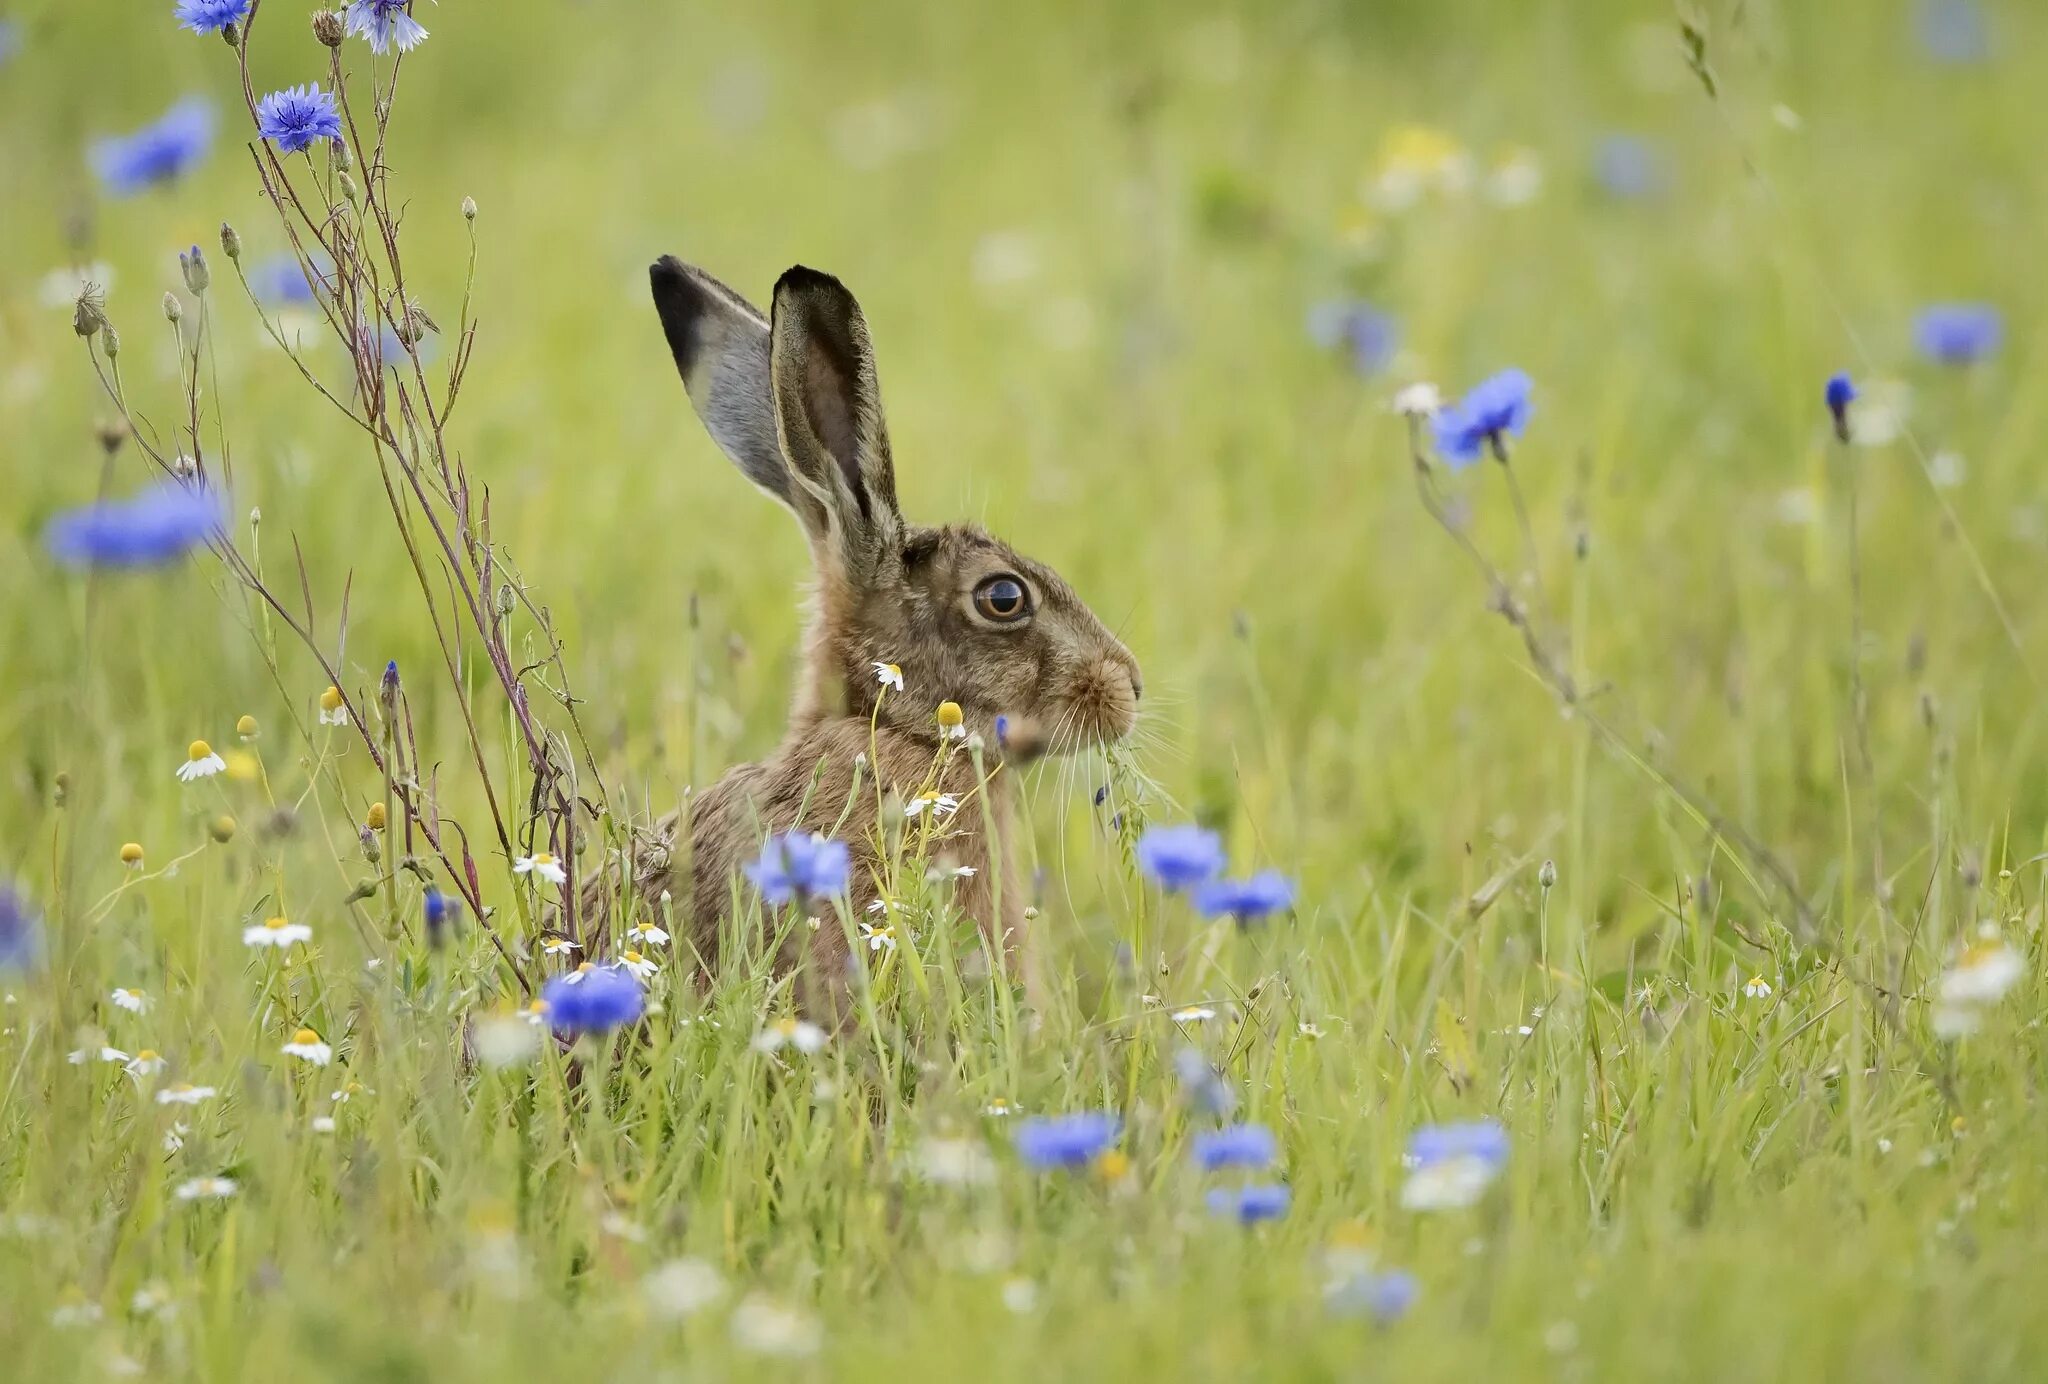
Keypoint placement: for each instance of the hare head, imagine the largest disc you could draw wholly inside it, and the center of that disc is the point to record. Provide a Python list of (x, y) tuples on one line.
[(793, 400)]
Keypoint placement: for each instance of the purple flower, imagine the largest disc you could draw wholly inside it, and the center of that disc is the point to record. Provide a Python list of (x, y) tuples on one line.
[(281, 279), (1237, 1146), (1246, 900), (1371, 336), (1483, 1140), (153, 527), (1958, 333), (1202, 1085), (1249, 1205), (157, 153), (210, 16), (297, 117), (443, 913), (386, 23), (1495, 409), (20, 932), (1385, 1297), (1176, 858), (1840, 393), (593, 1001), (1065, 1141), (796, 864)]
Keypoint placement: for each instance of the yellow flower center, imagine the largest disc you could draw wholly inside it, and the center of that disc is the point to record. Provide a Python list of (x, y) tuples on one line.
[(1112, 1165), (786, 1027), (246, 727), (950, 714), (586, 966), (198, 750), (633, 958), (184, 1086), (544, 858), (304, 1037), (1979, 953), (131, 854), (537, 1007), (374, 818), (330, 700), (275, 924), (893, 670), (146, 1055)]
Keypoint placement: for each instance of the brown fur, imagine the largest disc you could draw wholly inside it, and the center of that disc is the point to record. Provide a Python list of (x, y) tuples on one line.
[(809, 429)]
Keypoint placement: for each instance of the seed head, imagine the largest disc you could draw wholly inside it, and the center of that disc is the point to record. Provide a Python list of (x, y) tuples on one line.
[(1546, 874), (328, 28), (89, 312), (469, 209), (230, 242)]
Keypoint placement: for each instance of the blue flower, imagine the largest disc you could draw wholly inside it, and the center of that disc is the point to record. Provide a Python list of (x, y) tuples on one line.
[(1238, 1146), (1248, 1205), (1628, 166), (1484, 1140), (280, 279), (1452, 1165), (1385, 1297), (1371, 336), (593, 1001), (1958, 333), (1202, 1085), (210, 16), (10, 41), (1840, 393), (1176, 858), (1495, 408), (1953, 31), (1065, 1141), (155, 526), (157, 153), (796, 864), (1246, 900), (20, 932), (297, 117), (384, 23), (443, 913)]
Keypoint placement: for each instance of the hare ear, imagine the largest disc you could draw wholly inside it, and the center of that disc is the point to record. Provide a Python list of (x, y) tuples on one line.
[(720, 343), (828, 406)]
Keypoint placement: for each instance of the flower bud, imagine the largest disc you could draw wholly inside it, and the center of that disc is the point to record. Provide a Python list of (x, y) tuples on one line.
[(328, 28), (506, 599), (374, 818), (89, 311), (111, 432), (1546, 874), (193, 264), (246, 727), (230, 242), (469, 209), (110, 340), (344, 157), (131, 854), (348, 186), (221, 829), (372, 852), (231, 33), (173, 309)]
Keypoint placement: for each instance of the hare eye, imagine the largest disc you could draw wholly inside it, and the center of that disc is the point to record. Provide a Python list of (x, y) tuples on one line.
[(1002, 600)]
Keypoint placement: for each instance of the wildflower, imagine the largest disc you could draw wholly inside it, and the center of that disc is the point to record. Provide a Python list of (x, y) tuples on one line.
[(152, 527), (281, 281), (542, 863), (146, 1062), (639, 965), (174, 1137), (597, 1002), (1193, 1014), (1236, 1146), (769, 1328), (1384, 1297), (681, 1287), (1415, 160), (952, 721), (1627, 166), (503, 1040), (1757, 988), (554, 944), (941, 806), (889, 675), (385, 23), (1958, 333), (75, 1310), (953, 1162), (150, 1300), (1179, 857), (159, 152), (801, 1034), (185, 1093), (350, 1092), (441, 913), (1113, 1166), (1369, 336), (1982, 974), (1249, 1205), (878, 937), (1451, 1165), (799, 864), (1066, 1141), (275, 932), (1418, 400), (306, 1045), (333, 709), (210, 16), (297, 117), (20, 932), (583, 969), (200, 762), (1493, 410), (1020, 1295), (998, 1108), (206, 1189), (1309, 1030), (1246, 900), (323, 1124), (131, 854), (1201, 1085)]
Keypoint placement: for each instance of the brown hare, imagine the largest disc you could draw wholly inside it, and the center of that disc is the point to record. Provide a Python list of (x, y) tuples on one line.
[(902, 618)]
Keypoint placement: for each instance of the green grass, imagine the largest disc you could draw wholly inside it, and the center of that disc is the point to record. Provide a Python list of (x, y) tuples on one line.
[(1702, 1184)]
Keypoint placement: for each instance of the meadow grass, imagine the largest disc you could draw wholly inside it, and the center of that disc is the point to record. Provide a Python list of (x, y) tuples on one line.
[(1544, 880)]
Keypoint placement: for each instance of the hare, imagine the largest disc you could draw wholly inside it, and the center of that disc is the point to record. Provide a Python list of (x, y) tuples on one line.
[(954, 614)]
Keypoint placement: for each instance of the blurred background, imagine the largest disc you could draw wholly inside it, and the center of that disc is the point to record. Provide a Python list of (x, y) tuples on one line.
[(1143, 279)]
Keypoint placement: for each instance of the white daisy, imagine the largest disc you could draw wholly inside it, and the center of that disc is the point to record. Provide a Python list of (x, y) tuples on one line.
[(146, 1062), (583, 969), (1982, 974), (185, 1093), (1309, 1030), (1757, 988), (200, 762), (275, 932), (134, 1001), (554, 944), (681, 1287), (306, 1044), (998, 1108), (350, 1092), (1193, 1014), (647, 933), (333, 710), (800, 1034), (150, 1300), (1418, 400), (323, 1124), (174, 1137), (940, 873), (543, 864), (505, 1040), (953, 1162), (536, 1013), (941, 805), (878, 937), (768, 1328), (639, 965), (206, 1189), (889, 675)]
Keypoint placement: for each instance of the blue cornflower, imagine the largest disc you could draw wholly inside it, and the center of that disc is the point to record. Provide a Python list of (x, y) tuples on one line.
[(1954, 31), (593, 1001), (384, 23), (210, 16), (280, 279), (1246, 900), (20, 932), (1248, 1205), (1840, 393), (1485, 1140), (297, 117), (1958, 333), (1628, 166), (1202, 1085), (1370, 335), (1494, 409), (1065, 1141), (1238, 1146), (443, 913), (1452, 1165), (1385, 1297), (798, 864), (155, 526), (1179, 857), (160, 151)]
